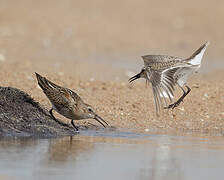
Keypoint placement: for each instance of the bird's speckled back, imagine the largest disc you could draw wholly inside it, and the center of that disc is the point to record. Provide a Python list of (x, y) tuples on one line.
[(161, 62)]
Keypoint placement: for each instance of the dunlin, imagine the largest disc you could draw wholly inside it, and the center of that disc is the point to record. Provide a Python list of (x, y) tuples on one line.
[(164, 72), (67, 103)]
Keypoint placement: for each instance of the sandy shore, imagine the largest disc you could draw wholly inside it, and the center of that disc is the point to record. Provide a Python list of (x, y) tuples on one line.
[(130, 106), (94, 47)]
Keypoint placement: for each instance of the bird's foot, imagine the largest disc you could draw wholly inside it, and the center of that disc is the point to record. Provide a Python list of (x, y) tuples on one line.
[(76, 128), (174, 105)]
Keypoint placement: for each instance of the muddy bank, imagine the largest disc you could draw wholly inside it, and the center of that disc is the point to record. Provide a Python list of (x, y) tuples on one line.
[(21, 116)]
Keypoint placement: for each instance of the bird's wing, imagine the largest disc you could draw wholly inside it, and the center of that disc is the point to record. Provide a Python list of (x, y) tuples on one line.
[(75, 96), (149, 59), (57, 95), (196, 57), (46, 84), (163, 86), (161, 62)]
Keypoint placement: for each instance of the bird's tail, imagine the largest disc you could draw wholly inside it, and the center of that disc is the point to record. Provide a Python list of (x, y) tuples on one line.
[(196, 58), (45, 84)]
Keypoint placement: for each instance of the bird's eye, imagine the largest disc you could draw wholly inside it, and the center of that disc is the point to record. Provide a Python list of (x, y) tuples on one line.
[(90, 110)]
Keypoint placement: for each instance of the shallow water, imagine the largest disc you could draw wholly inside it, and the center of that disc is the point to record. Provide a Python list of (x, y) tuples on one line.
[(113, 155)]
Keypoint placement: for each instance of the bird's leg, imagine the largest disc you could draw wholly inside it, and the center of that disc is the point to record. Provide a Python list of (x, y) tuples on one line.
[(76, 128), (59, 122), (51, 113), (177, 103)]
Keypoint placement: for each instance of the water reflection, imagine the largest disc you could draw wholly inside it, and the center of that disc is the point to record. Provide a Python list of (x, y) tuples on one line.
[(165, 165), (68, 148), (103, 156)]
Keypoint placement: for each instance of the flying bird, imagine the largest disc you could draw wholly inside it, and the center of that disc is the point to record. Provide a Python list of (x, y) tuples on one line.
[(165, 72)]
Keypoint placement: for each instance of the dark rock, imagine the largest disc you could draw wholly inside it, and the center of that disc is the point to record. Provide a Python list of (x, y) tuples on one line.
[(21, 116)]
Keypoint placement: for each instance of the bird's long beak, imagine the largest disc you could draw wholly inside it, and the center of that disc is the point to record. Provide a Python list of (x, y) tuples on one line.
[(137, 76), (99, 119)]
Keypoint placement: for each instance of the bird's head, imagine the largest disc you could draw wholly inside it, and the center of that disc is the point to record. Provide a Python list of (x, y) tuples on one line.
[(143, 74), (89, 113)]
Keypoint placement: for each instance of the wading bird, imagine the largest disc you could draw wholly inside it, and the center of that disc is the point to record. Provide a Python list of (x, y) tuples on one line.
[(66, 102)]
